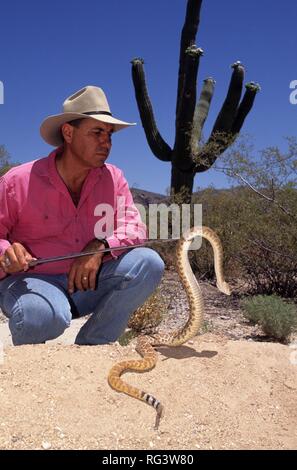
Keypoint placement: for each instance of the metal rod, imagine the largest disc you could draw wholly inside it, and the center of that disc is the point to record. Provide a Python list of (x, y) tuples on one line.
[(34, 262)]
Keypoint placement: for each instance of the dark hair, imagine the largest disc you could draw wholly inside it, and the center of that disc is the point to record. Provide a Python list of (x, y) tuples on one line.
[(74, 123)]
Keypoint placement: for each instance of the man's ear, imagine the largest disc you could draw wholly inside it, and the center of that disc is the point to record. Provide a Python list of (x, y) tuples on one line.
[(67, 132)]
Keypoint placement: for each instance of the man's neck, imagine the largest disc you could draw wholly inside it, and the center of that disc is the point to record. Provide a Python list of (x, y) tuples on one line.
[(72, 173)]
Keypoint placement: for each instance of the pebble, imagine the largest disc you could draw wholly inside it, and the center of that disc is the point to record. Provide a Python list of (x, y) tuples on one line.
[(46, 445)]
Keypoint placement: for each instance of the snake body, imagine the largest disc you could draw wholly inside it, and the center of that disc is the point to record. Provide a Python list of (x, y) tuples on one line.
[(145, 344)]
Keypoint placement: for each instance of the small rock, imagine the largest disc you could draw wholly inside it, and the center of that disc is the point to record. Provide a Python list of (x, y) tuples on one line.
[(46, 445)]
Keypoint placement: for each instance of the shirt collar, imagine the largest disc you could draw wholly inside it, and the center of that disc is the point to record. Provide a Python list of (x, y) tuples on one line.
[(54, 176)]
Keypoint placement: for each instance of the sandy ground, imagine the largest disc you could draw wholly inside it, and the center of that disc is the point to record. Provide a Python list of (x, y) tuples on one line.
[(217, 394)]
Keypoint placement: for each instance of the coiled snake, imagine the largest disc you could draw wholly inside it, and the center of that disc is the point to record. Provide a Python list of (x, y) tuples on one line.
[(145, 344)]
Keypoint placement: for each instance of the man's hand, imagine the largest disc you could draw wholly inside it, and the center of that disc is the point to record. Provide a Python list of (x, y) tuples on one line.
[(15, 259), (83, 271)]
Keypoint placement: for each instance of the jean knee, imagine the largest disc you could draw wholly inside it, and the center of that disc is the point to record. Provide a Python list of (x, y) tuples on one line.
[(153, 264), (33, 322)]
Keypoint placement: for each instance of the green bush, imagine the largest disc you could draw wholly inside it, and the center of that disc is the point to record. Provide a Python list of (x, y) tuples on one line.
[(278, 318), (253, 307), (259, 242)]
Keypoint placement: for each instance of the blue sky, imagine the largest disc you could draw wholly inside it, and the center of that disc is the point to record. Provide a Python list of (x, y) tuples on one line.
[(50, 49)]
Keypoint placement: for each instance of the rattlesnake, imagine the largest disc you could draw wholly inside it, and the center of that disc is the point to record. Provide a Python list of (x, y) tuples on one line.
[(145, 344)]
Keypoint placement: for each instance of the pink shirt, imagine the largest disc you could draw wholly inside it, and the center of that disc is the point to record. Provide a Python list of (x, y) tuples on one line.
[(37, 211)]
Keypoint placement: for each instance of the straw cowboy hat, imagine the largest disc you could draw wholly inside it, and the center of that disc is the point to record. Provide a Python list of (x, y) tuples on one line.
[(89, 102)]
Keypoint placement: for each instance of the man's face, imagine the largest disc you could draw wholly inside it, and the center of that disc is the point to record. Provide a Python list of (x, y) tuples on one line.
[(90, 143)]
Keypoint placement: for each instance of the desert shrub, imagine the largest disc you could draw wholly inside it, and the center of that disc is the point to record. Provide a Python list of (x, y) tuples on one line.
[(146, 318), (150, 314), (5, 163), (219, 212), (127, 337), (278, 318), (259, 242), (253, 308)]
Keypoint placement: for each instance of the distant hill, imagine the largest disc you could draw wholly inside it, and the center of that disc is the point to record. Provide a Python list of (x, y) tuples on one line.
[(141, 196)]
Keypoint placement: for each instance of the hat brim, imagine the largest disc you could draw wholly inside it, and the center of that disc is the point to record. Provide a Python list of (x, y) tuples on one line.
[(50, 129)]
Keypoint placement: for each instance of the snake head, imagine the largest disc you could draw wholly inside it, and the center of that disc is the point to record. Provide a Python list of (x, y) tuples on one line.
[(224, 287)]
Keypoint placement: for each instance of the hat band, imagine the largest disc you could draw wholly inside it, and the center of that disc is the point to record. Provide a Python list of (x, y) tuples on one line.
[(99, 112)]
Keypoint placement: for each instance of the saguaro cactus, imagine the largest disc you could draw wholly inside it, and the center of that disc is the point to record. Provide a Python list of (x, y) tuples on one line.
[(188, 156)]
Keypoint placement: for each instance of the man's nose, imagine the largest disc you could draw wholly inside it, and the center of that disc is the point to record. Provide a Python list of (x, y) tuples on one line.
[(105, 143), (105, 137)]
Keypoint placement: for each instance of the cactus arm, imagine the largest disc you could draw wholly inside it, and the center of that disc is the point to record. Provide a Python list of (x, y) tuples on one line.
[(245, 106), (188, 36), (201, 112), (157, 144), (184, 119), (221, 136), (227, 114)]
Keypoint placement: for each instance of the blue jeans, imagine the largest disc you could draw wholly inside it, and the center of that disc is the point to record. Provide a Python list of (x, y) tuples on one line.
[(40, 308)]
